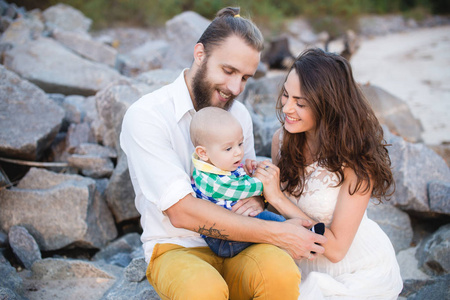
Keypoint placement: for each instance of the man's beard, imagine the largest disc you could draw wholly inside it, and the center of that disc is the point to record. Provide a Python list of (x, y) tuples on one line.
[(203, 89)]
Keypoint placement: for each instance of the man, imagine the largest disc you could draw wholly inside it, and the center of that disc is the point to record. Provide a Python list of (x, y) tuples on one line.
[(155, 138)]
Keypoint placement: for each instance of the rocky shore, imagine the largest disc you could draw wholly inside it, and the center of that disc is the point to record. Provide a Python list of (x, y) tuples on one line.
[(68, 225)]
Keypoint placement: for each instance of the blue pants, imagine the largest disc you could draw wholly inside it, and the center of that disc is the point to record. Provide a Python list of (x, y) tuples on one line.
[(225, 248)]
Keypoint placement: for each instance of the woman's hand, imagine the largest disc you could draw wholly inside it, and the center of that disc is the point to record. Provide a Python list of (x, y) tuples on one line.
[(269, 174), (249, 207)]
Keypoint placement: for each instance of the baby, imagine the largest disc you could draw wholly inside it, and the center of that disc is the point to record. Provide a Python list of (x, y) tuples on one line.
[(218, 174)]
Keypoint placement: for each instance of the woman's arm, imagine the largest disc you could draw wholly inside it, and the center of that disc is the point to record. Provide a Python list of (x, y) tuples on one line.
[(347, 215)]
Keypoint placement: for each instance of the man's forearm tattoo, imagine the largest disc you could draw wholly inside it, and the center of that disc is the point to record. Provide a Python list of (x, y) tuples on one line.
[(212, 232)]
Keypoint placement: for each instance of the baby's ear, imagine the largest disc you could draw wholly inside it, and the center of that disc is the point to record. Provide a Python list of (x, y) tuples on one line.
[(201, 152)]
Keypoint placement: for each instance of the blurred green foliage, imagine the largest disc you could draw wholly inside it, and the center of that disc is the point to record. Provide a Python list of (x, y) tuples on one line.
[(331, 15)]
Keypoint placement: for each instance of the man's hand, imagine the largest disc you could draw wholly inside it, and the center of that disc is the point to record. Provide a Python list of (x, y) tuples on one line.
[(249, 207), (297, 240)]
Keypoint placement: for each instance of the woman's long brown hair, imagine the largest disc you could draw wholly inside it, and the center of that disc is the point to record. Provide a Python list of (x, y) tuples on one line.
[(348, 132)]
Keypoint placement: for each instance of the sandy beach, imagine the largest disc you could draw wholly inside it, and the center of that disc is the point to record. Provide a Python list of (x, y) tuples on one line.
[(414, 66)]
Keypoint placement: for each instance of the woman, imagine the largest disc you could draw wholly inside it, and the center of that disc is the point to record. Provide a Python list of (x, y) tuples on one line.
[(330, 159)]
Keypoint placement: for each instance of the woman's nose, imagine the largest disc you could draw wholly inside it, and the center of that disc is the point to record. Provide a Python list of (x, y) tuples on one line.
[(287, 107)]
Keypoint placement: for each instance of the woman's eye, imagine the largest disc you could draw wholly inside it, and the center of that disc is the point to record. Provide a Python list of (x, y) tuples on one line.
[(240, 144), (227, 72), (228, 149), (285, 95)]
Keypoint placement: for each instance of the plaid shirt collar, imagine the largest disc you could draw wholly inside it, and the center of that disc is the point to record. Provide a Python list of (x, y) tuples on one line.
[(209, 168)]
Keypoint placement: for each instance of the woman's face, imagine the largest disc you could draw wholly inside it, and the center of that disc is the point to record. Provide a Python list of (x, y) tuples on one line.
[(297, 111)]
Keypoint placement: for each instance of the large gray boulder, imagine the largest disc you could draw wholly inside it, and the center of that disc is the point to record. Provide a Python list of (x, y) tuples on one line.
[(394, 222), (22, 30), (56, 69), (60, 210), (85, 46), (66, 17), (414, 166), (433, 253), (260, 98), (146, 57), (183, 32), (120, 193), (28, 118), (112, 103), (393, 112)]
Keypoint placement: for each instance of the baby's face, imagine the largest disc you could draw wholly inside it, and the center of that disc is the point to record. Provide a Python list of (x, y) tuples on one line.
[(226, 149)]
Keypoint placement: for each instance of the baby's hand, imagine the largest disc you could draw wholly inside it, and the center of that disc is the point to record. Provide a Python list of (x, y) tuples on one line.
[(250, 166)]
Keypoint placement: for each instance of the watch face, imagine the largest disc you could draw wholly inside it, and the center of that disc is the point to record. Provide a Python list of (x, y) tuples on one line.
[(318, 228)]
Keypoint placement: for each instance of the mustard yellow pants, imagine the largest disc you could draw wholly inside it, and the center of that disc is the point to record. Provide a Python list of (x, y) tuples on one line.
[(259, 272)]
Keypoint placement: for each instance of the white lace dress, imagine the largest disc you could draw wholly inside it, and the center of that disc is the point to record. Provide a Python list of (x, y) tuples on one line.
[(368, 271)]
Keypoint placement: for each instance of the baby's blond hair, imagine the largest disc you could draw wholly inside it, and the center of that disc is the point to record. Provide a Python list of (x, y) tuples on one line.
[(207, 121)]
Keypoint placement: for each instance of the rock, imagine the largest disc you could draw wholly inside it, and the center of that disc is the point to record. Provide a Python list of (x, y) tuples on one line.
[(7, 294), (433, 252), (4, 180), (119, 251), (394, 113), (69, 213), (302, 30), (95, 149), (92, 165), (112, 103), (56, 69), (120, 193), (158, 77), (381, 25), (124, 289), (279, 56), (443, 150), (409, 268), (84, 45), (77, 135), (3, 239), (183, 32), (146, 57), (414, 166), (60, 269), (24, 246), (135, 271), (439, 196), (22, 30), (93, 160), (28, 118), (260, 97), (433, 289), (394, 222), (66, 17), (9, 279)]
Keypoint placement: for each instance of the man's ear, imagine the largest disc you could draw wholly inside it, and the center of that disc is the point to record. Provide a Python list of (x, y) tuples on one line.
[(201, 152), (199, 53)]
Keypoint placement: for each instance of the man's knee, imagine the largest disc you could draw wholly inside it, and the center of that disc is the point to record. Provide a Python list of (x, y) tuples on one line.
[(277, 266), (180, 274), (264, 271)]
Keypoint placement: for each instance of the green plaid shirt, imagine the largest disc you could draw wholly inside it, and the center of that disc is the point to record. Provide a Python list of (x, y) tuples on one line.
[(223, 188)]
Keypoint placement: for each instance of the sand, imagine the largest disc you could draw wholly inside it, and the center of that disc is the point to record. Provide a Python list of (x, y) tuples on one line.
[(414, 66)]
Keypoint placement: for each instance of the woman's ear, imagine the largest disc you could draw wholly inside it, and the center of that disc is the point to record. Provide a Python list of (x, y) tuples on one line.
[(201, 152)]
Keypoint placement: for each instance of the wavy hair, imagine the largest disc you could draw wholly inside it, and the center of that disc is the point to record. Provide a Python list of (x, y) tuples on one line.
[(348, 132)]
